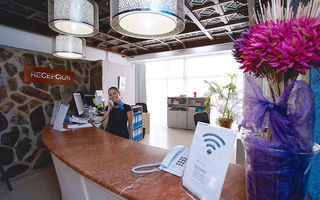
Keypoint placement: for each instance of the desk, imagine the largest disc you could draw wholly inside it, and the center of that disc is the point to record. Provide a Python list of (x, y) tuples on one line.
[(99, 165)]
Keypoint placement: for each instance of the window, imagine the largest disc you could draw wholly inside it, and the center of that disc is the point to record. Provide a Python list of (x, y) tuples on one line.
[(183, 76)]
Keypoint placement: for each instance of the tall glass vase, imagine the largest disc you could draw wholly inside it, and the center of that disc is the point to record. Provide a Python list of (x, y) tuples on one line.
[(277, 174), (278, 168)]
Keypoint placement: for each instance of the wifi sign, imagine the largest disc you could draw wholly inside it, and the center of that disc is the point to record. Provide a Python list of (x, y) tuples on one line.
[(213, 141)]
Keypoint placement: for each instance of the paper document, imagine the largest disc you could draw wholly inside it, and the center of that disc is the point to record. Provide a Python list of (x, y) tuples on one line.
[(79, 125), (58, 124), (55, 111)]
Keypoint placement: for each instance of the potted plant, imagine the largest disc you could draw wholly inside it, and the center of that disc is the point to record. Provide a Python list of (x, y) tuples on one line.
[(225, 99)]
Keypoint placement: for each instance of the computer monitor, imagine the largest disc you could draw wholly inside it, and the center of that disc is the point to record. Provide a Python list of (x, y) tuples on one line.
[(99, 99), (78, 101), (99, 93), (88, 100)]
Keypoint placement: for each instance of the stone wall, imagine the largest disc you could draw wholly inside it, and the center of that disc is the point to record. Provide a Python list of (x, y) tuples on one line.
[(25, 108)]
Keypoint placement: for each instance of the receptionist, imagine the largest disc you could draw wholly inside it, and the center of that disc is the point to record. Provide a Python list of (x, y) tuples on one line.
[(116, 115)]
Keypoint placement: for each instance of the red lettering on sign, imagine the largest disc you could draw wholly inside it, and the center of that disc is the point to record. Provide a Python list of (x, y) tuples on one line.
[(47, 75)]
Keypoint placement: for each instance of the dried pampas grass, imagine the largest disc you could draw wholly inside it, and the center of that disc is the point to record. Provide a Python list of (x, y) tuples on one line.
[(278, 11)]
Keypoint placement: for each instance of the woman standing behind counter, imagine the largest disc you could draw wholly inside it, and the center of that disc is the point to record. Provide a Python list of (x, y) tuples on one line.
[(116, 116)]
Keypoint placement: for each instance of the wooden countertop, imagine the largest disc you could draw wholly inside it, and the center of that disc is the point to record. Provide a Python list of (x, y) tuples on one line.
[(108, 159)]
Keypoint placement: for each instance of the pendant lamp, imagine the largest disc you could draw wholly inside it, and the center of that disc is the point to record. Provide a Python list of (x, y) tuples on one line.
[(73, 17), (70, 47), (147, 19)]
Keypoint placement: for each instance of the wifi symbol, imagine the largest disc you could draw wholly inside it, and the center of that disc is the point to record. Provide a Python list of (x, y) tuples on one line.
[(212, 138)]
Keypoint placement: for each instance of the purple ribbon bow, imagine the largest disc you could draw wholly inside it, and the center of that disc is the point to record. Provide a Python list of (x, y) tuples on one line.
[(290, 119)]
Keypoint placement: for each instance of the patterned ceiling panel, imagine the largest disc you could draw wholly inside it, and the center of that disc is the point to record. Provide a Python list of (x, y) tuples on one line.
[(194, 39), (236, 16), (28, 12), (240, 26), (156, 42), (145, 42), (180, 37), (168, 39), (217, 30), (213, 21), (148, 42), (233, 34), (231, 6), (155, 46), (220, 35), (238, 31), (119, 42), (112, 42), (16, 9), (206, 12), (190, 35), (198, 2)]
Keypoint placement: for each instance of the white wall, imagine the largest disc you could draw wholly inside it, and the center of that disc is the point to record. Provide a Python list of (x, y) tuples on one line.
[(197, 51), (24, 40), (116, 66), (113, 65), (13, 37), (111, 72)]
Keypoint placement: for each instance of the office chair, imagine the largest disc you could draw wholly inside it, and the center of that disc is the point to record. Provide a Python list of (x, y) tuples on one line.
[(144, 107), (201, 117)]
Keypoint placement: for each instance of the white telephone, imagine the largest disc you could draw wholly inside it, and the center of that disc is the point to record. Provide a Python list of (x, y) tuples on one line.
[(111, 103), (174, 162)]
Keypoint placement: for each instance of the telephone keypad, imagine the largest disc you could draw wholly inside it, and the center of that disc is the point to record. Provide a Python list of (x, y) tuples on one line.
[(181, 161), (178, 163)]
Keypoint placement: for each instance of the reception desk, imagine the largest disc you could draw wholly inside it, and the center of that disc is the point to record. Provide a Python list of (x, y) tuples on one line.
[(94, 164)]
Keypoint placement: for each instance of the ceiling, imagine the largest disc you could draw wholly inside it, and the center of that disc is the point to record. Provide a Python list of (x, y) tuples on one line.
[(207, 22)]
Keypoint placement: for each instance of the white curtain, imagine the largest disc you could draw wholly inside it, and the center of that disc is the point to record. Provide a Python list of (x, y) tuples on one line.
[(183, 76), (140, 83)]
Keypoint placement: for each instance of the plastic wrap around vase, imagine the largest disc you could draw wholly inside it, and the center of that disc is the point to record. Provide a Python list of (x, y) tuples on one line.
[(277, 173)]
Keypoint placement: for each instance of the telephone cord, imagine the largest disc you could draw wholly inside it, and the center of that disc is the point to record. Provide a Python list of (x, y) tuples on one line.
[(105, 117), (134, 170)]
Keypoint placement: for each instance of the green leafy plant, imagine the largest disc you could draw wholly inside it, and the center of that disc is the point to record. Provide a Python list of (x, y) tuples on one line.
[(225, 98)]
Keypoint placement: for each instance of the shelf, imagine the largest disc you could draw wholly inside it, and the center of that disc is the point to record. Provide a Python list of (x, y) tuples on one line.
[(138, 138), (136, 108), (137, 127), (176, 104), (180, 111), (137, 113), (177, 101)]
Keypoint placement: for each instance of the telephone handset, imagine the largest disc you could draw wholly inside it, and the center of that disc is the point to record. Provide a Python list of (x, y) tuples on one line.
[(111, 103), (174, 162)]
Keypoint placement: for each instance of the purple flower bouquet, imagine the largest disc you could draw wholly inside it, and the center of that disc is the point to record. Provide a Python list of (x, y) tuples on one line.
[(279, 48)]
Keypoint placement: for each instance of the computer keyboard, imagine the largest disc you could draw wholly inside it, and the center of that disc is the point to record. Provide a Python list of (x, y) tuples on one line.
[(78, 120), (79, 125), (99, 113)]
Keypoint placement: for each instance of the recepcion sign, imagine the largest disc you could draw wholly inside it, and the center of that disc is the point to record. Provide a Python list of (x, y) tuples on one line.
[(47, 75)]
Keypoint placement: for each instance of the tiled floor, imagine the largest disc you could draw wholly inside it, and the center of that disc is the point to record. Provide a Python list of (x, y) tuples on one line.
[(44, 185), (38, 186), (163, 137)]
